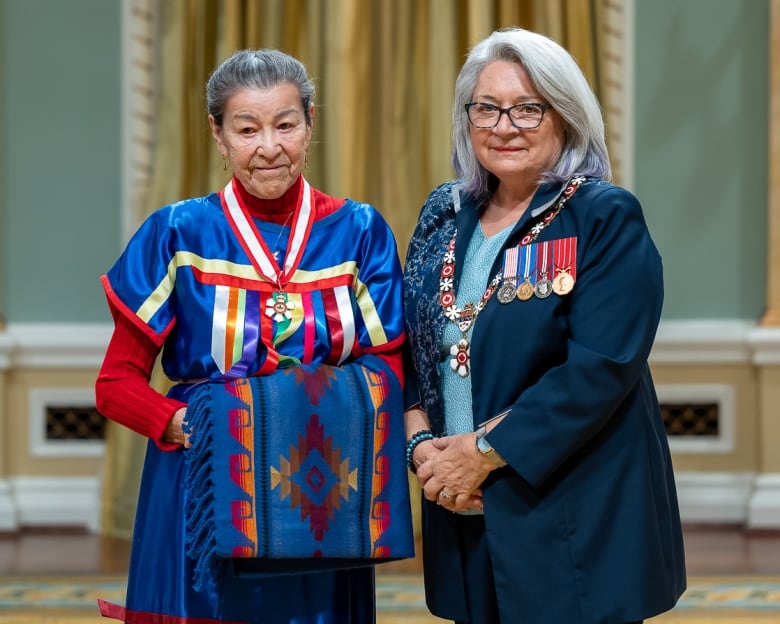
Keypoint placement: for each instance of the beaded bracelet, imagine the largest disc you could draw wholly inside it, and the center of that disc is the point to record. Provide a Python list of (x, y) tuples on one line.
[(420, 436)]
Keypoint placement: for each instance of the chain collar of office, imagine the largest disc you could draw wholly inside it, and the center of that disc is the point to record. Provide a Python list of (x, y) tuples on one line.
[(466, 316)]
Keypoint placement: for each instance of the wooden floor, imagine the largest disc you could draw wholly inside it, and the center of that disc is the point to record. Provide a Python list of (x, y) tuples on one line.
[(710, 550)]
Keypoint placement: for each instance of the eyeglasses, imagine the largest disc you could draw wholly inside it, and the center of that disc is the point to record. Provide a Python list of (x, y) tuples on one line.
[(525, 116)]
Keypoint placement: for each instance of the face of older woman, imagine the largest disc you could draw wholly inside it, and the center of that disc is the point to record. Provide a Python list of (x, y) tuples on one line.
[(264, 136), (512, 154)]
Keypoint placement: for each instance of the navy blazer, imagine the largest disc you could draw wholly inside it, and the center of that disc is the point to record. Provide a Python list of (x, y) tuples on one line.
[(583, 525)]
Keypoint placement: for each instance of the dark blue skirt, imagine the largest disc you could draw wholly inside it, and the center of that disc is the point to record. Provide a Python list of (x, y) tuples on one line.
[(159, 589)]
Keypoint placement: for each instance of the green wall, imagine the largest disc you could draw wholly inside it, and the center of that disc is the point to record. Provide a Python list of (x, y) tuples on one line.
[(701, 118), (61, 157), (3, 147)]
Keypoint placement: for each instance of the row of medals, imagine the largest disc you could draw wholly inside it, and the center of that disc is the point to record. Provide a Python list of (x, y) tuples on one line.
[(562, 284)]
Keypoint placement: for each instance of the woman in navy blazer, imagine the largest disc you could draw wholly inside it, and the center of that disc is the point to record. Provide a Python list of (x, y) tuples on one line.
[(533, 292)]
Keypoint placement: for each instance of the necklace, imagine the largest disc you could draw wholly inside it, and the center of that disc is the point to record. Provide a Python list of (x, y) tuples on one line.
[(463, 317), (466, 316), (276, 249)]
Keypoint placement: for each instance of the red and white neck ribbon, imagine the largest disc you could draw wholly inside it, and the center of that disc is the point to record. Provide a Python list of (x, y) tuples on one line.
[(253, 243)]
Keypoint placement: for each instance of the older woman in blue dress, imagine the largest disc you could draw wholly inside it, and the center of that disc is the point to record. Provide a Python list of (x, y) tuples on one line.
[(248, 284)]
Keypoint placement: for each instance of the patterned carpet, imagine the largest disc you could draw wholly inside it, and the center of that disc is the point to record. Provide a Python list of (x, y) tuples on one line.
[(72, 599)]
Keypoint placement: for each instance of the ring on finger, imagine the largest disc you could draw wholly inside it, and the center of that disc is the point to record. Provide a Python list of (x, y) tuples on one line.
[(444, 494)]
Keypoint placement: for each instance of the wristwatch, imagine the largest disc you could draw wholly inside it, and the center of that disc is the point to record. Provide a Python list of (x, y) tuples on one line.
[(484, 447)]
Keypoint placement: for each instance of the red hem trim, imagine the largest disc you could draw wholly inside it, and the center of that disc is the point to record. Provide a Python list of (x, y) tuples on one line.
[(118, 612)]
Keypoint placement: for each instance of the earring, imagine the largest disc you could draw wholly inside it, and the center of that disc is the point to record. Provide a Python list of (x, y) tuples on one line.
[(224, 164)]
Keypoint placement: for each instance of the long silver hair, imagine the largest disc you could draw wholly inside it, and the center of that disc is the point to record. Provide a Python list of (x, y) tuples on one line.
[(560, 81)]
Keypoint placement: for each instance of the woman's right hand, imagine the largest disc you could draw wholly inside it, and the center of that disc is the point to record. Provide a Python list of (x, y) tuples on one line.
[(422, 453), (174, 432)]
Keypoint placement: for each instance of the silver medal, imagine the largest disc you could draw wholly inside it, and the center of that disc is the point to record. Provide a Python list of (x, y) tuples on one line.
[(543, 288), (506, 293)]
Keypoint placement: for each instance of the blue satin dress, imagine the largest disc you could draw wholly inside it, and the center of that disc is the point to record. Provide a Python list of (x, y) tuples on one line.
[(187, 281)]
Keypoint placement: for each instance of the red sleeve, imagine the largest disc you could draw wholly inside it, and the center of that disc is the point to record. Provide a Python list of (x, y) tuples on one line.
[(122, 388)]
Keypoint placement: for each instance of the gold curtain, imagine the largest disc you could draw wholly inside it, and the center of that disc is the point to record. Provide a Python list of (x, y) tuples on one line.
[(385, 72)]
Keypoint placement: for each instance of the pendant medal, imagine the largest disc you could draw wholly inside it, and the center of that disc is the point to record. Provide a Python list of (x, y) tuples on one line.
[(563, 283), (565, 269), (525, 291), (278, 307), (466, 317), (506, 293), (460, 357), (543, 288)]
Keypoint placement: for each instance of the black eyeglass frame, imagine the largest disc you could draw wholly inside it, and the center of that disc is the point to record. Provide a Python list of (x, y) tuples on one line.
[(543, 108)]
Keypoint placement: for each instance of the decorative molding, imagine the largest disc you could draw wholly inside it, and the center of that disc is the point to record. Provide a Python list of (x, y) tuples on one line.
[(54, 501), (765, 345), (740, 498), (39, 400), (55, 345), (7, 508), (138, 38), (702, 341), (717, 498), (726, 341), (616, 84), (708, 497), (6, 345), (764, 507), (724, 396)]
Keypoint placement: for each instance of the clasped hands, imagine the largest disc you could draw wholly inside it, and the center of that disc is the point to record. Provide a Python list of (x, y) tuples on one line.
[(451, 470)]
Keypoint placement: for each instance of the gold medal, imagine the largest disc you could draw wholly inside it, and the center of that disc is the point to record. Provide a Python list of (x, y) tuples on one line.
[(563, 283), (565, 269), (525, 291)]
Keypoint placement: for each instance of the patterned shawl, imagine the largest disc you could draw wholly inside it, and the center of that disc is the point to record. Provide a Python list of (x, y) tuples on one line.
[(299, 470), (424, 320)]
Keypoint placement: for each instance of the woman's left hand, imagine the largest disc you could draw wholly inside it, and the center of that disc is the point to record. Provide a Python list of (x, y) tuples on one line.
[(454, 475)]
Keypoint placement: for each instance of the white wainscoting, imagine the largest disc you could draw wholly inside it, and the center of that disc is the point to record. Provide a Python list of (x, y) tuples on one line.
[(8, 519), (54, 345), (52, 500), (752, 499), (55, 501), (707, 497), (764, 506)]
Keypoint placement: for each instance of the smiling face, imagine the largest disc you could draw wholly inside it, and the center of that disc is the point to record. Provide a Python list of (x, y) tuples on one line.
[(508, 153), (264, 136)]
